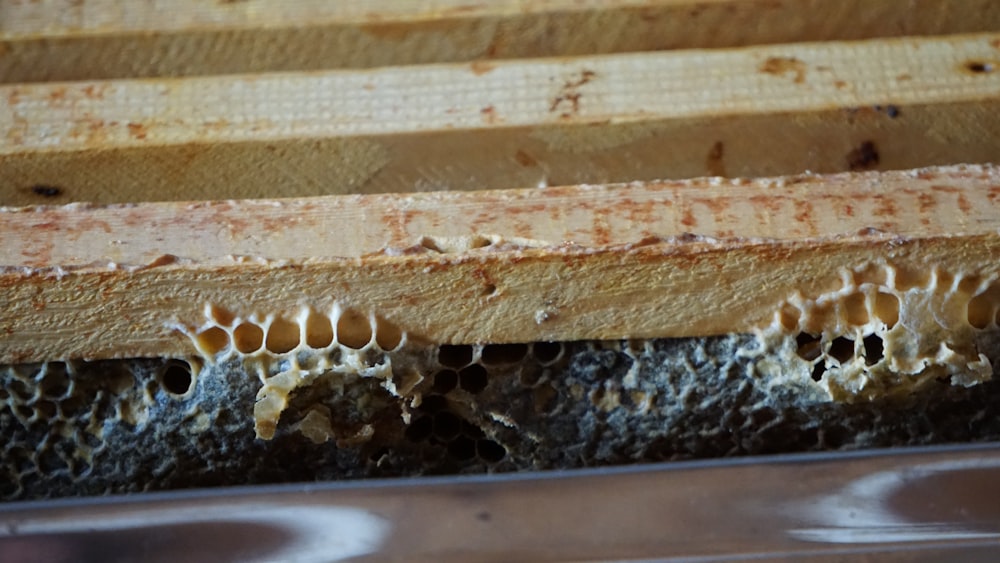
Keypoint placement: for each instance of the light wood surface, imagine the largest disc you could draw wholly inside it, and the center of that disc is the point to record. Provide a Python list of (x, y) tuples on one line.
[(824, 107), (641, 260), (96, 39)]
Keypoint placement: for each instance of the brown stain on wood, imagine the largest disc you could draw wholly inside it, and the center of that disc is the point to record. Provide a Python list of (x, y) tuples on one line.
[(687, 216), (885, 206), (94, 91), (569, 94), (480, 68), (779, 66), (525, 159), (963, 204), (489, 114), (864, 157), (137, 130), (994, 194), (927, 202), (804, 213), (714, 164)]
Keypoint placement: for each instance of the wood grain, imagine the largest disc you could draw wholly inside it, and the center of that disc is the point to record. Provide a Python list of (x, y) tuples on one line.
[(824, 107), (99, 39), (659, 259)]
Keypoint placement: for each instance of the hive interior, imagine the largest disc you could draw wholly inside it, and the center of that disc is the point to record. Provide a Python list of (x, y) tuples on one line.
[(890, 358)]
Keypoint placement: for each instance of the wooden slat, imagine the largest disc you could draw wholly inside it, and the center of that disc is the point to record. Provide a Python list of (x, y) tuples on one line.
[(824, 107), (555, 264), (96, 39)]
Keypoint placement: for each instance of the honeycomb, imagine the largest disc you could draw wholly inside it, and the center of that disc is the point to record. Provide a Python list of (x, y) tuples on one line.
[(890, 358)]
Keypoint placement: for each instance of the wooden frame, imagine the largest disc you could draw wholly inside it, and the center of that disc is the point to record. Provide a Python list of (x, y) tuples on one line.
[(660, 259), (100, 39), (824, 107)]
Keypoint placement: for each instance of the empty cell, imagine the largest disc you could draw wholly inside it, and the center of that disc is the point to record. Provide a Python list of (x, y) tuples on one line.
[(842, 349), (887, 308), (55, 381), (248, 338), (445, 380), (387, 335), (982, 309), (319, 330), (490, 451), (282, 336), (176, 378), (907, 278), (874, 349), (420, 429), (855, 309), (546, 352), (494, 354), (220, 316), (447, 425), (45, 410), (462, 448), (212, 340), (353, 330), (789, 316), (454, 356), (473, 378), (809, 347)]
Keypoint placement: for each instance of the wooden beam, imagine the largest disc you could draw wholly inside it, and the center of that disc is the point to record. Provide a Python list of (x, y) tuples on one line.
[(658, 259), (99, 39), (824, 107)]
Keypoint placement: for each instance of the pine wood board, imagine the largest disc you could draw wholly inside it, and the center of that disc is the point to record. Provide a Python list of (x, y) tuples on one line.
[(58, 40), (823, 107), (660, 259)]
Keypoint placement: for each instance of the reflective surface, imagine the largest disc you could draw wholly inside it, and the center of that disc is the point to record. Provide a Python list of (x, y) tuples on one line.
[(902, 505)]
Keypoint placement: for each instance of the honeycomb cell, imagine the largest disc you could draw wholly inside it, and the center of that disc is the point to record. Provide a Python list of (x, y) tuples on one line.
[(454, 356), (546, 352), (544, 398), (445, 381), (46, 410), (855, 309), (887, 308), (471, 430), (353, 330), (789, 316), (982, 308), (447, 425), (212, 341), (810, 347), (906, 279), (248, 337), (21, 390), (462, 448), (842, 349), (874, 349), (420, 429), (388, 336), (498, 354), (434, 403), (220, 315), (49, 461), (319, 330), (24, 412), (282, 336), (490, 451), (176, 378), (473, 378), (55, 381)]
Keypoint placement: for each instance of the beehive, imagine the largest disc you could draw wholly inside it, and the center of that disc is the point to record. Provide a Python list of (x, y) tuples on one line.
[(493, 331)]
